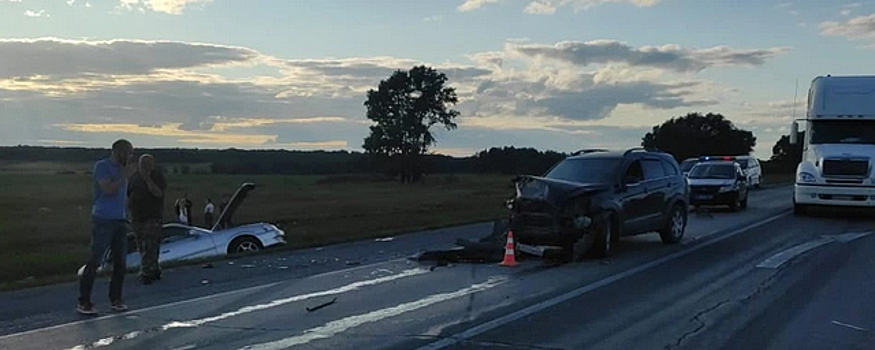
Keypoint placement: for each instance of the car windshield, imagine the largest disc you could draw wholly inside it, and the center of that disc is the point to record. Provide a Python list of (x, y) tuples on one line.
[(712, 171), (842, 131), (593, 170), (688, 164)]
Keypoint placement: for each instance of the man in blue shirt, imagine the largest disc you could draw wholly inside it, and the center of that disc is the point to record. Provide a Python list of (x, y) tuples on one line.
[(110, 219)]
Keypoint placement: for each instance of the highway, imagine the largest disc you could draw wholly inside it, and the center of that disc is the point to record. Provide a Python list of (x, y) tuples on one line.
[(756, 279)]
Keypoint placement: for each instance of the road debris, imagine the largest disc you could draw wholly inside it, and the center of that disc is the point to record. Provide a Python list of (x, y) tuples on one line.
[(317, 307), (385, 239), (208, 266), (353, 263), (230, 263), (283, 267), (205, 282), (247, 266), (837, 323)]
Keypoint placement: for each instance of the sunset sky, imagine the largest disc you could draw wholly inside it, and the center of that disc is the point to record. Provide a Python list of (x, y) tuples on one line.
[(551, 74)]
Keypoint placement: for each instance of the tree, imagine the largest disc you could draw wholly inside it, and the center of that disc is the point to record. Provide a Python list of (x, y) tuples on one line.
[(785, 155), (695, 134), (404, 108)]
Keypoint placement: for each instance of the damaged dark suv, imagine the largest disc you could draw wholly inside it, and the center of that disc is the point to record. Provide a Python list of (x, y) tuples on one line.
[(587, 201)]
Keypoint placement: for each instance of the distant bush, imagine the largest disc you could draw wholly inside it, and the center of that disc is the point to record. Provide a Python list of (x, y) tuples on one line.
[(451, 179), (346, 179)]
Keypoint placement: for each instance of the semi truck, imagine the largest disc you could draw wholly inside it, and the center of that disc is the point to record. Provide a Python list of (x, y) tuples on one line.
[(838, 146)]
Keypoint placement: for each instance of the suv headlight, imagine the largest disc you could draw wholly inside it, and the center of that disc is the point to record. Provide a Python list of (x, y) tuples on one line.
[(727, 188), (805, 177)]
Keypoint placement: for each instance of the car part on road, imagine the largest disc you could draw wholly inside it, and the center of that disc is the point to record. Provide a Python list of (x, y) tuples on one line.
[(317, 307)]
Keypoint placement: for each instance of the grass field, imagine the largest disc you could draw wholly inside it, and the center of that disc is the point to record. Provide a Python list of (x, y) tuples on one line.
[(45, 229)]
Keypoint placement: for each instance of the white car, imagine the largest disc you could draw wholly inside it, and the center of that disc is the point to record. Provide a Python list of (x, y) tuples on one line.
[(750, 166), (184, 242)]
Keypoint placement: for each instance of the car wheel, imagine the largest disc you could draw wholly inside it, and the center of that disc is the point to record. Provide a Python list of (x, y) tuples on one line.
[(605, 236), (581, 247), (244, 245), (734, 204), (674, 228)]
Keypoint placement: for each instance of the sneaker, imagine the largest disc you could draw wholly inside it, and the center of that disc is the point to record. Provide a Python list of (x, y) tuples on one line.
[(86, 309), (119, 306)]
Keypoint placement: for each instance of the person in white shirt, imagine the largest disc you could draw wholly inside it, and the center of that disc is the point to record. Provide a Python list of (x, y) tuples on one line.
[(208, 213)]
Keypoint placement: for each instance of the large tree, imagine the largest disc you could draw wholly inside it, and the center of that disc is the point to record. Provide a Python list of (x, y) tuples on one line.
[(695, 134), (787, 155), (404, 108)]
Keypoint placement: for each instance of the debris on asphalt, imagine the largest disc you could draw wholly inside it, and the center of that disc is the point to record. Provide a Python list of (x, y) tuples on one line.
[(208, 266), (353, 263), (247, 266), (317, 307), (605, 262), (230, 263), (282, 267), (385, 239), (205, 281), (488, 249)]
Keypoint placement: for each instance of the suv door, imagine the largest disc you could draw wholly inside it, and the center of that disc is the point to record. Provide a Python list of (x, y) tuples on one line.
[(657, 184), (633, 196)]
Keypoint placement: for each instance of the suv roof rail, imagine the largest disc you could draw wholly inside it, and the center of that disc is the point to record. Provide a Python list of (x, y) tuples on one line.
[(642, 149), (588, 150)]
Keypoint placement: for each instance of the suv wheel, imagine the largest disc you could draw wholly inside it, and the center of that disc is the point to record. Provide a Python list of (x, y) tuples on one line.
[(581, 247), (605, 236), (675, 225)]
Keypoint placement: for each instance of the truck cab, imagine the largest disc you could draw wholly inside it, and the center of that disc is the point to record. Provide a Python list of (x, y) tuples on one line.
[(839, 144)]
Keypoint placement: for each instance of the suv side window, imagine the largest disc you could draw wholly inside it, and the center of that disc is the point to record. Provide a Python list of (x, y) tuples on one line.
[(653, 169), (634, 171), (670, 170)]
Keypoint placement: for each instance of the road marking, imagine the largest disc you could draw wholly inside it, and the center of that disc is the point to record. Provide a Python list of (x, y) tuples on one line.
[(253, 308), (775, 261), (514, 316), (837, 323), (187, 301), (336, 327)]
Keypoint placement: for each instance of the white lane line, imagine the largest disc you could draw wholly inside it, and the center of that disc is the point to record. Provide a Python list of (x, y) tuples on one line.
[(253, 308), (336, 327), (514, 316), (187, 301), (837, 323), (775, 261)]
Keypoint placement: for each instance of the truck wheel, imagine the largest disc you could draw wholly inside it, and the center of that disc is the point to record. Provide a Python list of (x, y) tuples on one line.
[(674, 228), (800, 209), (605, 236)]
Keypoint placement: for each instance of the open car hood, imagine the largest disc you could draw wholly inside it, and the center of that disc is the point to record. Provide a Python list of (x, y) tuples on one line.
[(552, 191), (233, 204)]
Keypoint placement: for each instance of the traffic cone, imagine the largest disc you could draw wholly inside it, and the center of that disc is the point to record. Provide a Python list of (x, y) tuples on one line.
[(509, 255)]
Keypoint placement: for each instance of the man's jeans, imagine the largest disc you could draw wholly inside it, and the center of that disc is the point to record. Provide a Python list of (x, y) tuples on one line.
[(106, 234)]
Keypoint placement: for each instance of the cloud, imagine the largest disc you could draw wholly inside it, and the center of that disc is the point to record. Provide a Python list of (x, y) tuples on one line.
[(436, 18), (668, 57), (40, 13), (471, 5), (173, 7), (857, 28), (549, 7), (845, 12), (59, 57)]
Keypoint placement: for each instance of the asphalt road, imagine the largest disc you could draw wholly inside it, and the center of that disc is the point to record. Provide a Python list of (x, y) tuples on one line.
[(757, 279)]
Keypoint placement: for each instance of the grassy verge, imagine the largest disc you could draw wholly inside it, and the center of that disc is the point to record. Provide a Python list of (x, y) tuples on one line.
[(44, 217)]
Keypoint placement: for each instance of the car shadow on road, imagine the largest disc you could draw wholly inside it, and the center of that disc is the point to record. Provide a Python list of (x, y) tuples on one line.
[(842, 214)]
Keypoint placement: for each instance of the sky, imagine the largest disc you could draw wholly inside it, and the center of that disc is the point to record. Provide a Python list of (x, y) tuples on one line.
[(278, 74)]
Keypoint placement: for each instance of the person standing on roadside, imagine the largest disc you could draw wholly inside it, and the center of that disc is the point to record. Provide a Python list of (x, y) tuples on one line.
[(146, 193), (209, 209), (188, 205), (109, 219)]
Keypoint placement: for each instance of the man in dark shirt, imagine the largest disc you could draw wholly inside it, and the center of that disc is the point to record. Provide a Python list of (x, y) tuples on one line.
[(146, 193)]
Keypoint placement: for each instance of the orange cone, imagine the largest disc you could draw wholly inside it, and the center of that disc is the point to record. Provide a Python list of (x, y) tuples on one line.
[(509, 255)]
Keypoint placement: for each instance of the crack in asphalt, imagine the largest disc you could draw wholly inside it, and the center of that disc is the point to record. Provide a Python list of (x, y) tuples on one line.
[(761, 288)]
